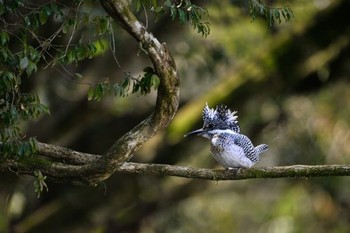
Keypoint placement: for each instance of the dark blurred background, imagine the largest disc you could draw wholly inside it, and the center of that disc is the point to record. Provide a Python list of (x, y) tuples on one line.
[(290, 86)]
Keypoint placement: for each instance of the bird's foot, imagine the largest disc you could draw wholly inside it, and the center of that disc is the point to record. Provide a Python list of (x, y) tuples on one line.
[(230, 169)]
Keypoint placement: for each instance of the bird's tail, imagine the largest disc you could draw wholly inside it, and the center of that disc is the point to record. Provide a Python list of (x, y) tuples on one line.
[(261, 148)]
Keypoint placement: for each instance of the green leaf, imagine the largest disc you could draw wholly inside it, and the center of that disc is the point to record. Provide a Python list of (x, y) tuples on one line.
[(158, 9), (2, 9), (46, 10), (126, 84), (271, 19), (27, 22), (78, 75), (70, 57), (277, 15), (4, 53), (173, 12), (91, 93), (34, 144), (154, 3), (39, 183), (31, 68), (43, 17), (138, 5), (155, 81), (182, 15), (65, 28), (4, 37)]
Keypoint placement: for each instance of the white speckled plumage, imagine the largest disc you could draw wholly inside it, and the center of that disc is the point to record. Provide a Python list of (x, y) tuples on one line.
[(228, 147)]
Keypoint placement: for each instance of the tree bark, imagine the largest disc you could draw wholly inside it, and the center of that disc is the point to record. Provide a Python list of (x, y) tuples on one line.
[(55, 171), (296, 171)]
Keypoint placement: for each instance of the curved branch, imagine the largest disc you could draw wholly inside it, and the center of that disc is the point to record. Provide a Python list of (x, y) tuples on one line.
[(168, 90)]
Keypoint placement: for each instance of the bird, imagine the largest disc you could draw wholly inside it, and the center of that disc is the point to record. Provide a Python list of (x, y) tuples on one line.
[(229, 147)]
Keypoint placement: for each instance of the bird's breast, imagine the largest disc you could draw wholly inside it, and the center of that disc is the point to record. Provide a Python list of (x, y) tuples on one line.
[(227, 153)]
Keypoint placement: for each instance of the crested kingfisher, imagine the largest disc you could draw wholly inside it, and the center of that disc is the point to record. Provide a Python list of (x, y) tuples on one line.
[(228, 147)]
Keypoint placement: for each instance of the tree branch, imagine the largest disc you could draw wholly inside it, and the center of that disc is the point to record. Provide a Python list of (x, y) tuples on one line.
[(60, 172), (168, 90), (296, 171), (66, 154)]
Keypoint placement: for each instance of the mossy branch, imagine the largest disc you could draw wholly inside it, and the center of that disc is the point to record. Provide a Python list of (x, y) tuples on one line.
[(168, 89), (295, 171), (60, 172)]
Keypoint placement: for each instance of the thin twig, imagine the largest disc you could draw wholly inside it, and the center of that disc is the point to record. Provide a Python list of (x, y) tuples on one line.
[(74, 28), (112, 44), (146, 16)]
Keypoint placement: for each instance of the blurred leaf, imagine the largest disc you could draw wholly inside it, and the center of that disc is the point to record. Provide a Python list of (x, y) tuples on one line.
[(91, 93), (4, 37), (43, 17), (39, 183), (78, 75)]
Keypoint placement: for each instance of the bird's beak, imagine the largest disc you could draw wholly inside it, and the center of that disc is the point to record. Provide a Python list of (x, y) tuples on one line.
[(196, 132)]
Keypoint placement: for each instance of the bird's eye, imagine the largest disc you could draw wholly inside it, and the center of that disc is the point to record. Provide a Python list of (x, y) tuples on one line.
[(211, 126)]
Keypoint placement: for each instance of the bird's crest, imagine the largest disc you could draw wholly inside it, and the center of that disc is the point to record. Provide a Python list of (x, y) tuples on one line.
[(220, 117)]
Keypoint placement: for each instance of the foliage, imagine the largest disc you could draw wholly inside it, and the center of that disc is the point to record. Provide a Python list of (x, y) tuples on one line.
[(143, 85), (184, 10), (271, 14), (17, 147), (190, 13), (39, 183), (24, 47), (187, 12)]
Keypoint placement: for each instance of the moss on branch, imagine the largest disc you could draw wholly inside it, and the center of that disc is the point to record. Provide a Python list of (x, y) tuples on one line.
[(296, 171)]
